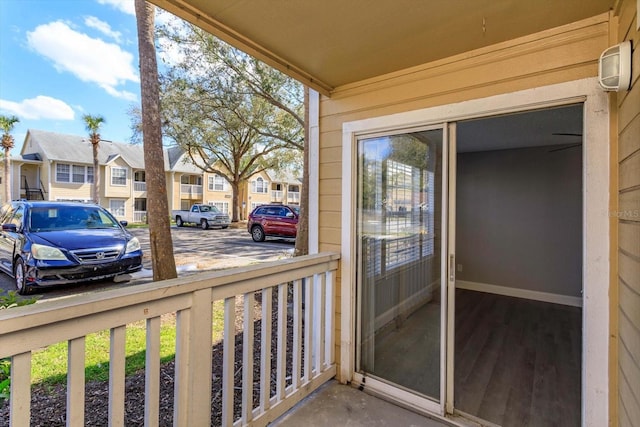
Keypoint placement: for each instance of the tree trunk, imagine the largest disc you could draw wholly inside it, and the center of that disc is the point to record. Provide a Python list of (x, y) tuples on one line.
[(302, 236), (96, 175), (234, 201), (7, 175), (162, 259)]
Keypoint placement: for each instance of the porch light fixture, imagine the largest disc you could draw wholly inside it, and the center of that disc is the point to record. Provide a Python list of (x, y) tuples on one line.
[(614, 68)]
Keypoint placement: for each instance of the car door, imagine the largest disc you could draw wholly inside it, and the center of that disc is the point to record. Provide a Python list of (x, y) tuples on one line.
[(9, 238), (289, 221)]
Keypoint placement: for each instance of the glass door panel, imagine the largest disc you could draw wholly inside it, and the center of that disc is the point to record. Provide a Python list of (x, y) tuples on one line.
[(399, 206)]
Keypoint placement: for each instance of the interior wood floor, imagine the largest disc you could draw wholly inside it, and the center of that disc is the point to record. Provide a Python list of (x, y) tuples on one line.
[(517, 361)]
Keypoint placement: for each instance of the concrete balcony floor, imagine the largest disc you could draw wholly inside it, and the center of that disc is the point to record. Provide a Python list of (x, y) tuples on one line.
[(334, 405)]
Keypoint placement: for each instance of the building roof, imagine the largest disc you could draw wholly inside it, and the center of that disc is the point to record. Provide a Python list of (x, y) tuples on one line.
[(77, 149)]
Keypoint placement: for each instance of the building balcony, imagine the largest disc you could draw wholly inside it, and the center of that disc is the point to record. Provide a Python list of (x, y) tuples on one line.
[(276, 345), (139, 186), (191, 191), (293, 197), (277, 196), (140, 216)]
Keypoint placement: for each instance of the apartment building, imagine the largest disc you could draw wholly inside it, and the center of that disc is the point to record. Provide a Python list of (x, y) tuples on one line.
[(54, 166)]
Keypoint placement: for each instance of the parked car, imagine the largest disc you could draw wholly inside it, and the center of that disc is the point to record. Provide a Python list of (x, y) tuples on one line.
[(204, 215), (273, 221), (52, 243)]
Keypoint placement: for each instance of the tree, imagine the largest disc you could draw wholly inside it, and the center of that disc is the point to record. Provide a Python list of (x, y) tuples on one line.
[(163, 261), (232, 114), (6, 124), (93, 124)]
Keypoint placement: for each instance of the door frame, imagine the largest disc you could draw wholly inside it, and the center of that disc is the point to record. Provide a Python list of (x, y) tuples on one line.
[(595, 231)]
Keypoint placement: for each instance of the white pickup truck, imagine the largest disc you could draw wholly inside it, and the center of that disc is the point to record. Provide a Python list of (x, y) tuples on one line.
[(204, 215)]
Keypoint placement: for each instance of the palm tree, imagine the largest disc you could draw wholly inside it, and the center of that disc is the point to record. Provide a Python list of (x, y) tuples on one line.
[(92, 124), (7, 124)]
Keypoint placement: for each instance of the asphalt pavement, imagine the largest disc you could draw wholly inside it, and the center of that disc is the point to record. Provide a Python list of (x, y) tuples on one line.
[(194, 250)]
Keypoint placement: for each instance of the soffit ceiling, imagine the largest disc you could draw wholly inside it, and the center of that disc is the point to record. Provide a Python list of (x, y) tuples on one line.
[(331, 43)]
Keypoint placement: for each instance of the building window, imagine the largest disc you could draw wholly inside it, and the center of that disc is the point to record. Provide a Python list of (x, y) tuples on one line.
[(222, 206), (118, 176), (117, 207), (63, 172), (217, 183), (260, 186), (76, 174)]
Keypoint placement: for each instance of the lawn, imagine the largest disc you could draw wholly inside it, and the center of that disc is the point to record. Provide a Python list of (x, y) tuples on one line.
[(49, 365)]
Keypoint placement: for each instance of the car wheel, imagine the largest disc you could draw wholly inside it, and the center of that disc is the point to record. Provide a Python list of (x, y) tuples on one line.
[(257, 234), (179, 222), (21, 278), (204, 224), (224, 226)]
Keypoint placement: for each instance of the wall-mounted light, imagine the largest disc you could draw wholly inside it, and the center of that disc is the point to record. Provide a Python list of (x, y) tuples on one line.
[(614, 68)]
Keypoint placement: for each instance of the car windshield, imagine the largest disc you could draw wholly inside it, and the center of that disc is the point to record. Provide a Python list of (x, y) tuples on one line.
[(69, 218)]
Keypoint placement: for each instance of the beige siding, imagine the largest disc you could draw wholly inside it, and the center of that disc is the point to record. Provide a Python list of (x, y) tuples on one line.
[(116, 191), (628, 215), (558, 55)]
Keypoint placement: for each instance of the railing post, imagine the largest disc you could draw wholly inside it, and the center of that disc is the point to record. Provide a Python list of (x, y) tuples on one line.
[(193, 357)]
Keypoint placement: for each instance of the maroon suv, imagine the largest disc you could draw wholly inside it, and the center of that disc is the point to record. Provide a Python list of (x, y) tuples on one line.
[(273, 221)]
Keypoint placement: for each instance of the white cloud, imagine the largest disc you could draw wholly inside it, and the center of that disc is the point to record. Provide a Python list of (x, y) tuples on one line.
[(103, 27), (91, 60), (125, 6), (40, 107)]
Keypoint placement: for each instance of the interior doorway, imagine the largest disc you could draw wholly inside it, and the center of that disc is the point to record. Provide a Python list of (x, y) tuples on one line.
[(518, 251)]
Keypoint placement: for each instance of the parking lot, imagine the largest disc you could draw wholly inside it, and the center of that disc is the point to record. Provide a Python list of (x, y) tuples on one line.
[(194, 250)]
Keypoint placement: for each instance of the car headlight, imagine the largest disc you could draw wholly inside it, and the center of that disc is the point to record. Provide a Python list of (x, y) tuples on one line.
[(46, 252), (133, 245)]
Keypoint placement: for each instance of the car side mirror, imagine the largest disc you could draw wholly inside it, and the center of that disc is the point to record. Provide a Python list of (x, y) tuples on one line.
[(10, 227), (124, 223), (290, 215)]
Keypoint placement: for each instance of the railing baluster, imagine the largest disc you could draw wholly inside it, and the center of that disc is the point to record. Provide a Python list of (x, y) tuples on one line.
[(20, 390), (228, 359), (319, 323), (281, 368), (117, 357), (181, 370), (247, 359), (75, 382), (330, 333), (152, 374), (265, 350), (297, 334), (308, 328)]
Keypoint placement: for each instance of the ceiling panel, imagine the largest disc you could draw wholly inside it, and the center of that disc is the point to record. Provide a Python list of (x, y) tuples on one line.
[(337, 42)]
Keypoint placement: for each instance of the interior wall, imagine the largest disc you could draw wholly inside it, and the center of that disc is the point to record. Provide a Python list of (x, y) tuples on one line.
[(519, 219), (627, 215)]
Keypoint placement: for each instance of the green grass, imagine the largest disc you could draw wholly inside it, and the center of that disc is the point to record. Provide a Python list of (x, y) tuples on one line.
[(49, 365)]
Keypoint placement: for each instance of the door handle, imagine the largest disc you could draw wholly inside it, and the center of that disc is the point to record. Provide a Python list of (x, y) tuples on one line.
[(452, 265)]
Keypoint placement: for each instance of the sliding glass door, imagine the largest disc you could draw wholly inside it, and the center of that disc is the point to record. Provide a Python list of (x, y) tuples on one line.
[(400, 264)]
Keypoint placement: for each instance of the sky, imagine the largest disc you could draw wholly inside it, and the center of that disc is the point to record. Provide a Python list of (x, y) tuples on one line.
[(62, 59)]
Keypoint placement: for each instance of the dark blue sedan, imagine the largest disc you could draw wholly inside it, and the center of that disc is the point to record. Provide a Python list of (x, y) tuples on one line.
[(51, 243)]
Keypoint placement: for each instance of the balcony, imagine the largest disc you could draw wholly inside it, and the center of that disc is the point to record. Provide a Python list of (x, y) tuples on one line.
[(140, 216), (191, 191), (139, 186), (293, 197), (297, 296), (277, 196)]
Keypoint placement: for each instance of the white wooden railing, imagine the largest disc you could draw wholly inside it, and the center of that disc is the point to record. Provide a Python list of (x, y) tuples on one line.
[(191, 189), (140, 186), (139, 216), (276, 195), (293, 197), (294, 294)]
